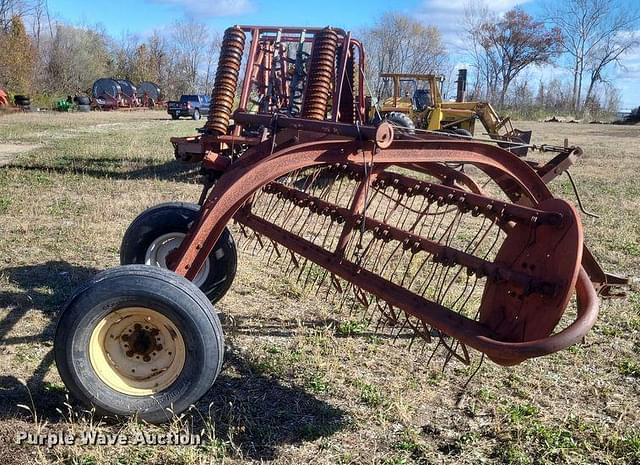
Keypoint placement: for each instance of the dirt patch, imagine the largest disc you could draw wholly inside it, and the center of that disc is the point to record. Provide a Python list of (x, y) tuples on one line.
[(9, 151)]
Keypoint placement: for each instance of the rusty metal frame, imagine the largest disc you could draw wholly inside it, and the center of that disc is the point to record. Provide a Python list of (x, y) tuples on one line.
[(289, 143), (262, 165)]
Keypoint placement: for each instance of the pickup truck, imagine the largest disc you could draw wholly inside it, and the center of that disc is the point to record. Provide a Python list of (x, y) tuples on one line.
[(193, 106)]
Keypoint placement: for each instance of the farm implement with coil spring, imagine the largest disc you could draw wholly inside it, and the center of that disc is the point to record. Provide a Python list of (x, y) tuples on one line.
[(450, 242)]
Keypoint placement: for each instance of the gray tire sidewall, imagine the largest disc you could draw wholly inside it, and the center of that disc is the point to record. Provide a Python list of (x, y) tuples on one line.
[(196, 114), (159, 290)]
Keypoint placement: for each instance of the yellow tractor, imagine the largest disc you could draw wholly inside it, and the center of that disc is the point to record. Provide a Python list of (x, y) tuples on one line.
[(415, 101)]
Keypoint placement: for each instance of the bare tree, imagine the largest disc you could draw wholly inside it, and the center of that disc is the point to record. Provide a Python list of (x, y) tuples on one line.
[(400, 44), (189, 37), (596, 34), (487, 73), (212, 59), (8, 10), (511, 43), (77, 56)]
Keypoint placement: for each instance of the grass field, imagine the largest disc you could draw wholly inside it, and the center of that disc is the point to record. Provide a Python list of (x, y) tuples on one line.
[(302, 383)]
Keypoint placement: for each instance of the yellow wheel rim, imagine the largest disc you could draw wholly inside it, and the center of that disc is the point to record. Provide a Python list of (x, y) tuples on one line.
[(137, 351)]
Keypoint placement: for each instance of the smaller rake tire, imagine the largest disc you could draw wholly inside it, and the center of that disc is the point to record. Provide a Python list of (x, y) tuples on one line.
[(135, 305), (196, 114), (156, 227)]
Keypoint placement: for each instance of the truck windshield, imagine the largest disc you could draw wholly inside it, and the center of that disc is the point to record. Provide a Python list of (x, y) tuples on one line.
[(188, 98)]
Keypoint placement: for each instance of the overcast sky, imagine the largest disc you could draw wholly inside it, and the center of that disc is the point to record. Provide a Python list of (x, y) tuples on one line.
[(120, 17)]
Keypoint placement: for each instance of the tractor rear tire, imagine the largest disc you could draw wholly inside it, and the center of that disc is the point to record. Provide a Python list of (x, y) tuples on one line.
[(84, 108), (174, 116), (401, 121), (160, 229), (137, 340)]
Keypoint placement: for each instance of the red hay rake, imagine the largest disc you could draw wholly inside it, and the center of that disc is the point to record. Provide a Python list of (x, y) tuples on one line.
[(452, 242)]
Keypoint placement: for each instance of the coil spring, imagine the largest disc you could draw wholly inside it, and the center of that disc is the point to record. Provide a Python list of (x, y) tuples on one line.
[(226, 82), (320, 76), (348, 105)]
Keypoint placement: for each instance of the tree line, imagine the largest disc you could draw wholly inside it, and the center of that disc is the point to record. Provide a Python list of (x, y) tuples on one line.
[(583, 39), (44, 57)]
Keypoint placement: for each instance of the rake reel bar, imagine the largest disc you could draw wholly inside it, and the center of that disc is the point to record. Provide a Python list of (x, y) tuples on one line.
[(318, 200)]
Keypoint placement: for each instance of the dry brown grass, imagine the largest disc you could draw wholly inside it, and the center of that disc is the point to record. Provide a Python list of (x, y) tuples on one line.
[(302, 382)]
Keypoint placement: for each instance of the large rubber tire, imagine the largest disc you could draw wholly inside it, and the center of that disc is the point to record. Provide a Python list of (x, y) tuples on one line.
[(84, 108), (192, 326), (176, 217), (402, 121), (196, 114), (174, 116)]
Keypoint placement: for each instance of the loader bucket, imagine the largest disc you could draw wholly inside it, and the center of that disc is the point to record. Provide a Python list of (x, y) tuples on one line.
[(521, 137)]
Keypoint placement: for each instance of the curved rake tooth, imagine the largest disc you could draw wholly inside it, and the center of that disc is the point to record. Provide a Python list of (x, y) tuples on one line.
[(293, 260), (453, 352), (336, 283), (305, 266), (257, 243), (399, 330), (320, 285), (243, 229), (362, 297), (274, 249), (250, 240)]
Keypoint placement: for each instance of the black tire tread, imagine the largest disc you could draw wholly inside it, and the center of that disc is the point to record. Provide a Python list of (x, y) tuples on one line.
[(167, 278)]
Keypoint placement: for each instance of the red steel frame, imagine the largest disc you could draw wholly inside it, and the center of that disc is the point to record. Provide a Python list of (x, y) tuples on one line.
[(296, 143), (259, 166)]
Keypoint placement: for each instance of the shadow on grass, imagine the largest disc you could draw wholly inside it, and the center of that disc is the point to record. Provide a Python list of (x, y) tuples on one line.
[(112, 168), (43, 288), (255, 412), (258, 413)]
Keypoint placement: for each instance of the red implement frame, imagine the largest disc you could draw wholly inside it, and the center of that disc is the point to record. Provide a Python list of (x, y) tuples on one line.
[(527, 285)]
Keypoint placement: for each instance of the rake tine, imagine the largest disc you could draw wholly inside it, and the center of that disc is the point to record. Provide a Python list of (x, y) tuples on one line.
[(345, 294), (258, 242), (336, 283), (243, 230), (274, 249), (352, 306), (321, 283), (302, 269), (377, 328), (399, 330), (294, 260), (306, 280), (362, 298), (250, 241), (433, 352)]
